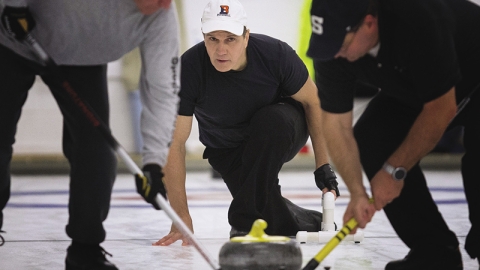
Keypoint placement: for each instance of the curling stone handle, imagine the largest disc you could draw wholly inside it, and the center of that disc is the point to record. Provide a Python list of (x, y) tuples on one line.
[(328, 203)]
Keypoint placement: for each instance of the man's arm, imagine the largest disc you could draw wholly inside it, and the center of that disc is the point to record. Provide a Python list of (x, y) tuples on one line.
[(308, 96), (325, 178), (159, 89), (343, 151), (159, 86), (425, 133), (175, 175)]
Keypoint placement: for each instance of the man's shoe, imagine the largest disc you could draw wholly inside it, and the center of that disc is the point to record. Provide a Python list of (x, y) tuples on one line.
[(472, 245), (307, 220), (448, 259), (91, 257), (2, 240)]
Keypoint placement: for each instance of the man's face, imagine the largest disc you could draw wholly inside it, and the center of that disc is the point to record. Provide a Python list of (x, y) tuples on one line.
[(226, 50), (357, 44)]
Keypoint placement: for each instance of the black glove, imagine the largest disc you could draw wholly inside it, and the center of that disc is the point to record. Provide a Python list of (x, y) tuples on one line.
[(17, 21), (326, 178), (151, 184)]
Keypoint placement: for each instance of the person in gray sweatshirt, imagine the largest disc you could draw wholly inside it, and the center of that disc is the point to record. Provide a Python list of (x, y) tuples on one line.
[(82, 37)]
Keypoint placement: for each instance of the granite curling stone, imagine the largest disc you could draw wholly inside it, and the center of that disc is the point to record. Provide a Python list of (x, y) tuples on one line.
[(259, 251)]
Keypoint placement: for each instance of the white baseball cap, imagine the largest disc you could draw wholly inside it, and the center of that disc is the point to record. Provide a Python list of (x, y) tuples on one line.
[(224, 15)]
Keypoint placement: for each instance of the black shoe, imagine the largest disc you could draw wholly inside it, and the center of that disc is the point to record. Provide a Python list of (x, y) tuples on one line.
[(472, 246), (448, 259), (2, 240), (307, 220), (91, 257), (234, 233)]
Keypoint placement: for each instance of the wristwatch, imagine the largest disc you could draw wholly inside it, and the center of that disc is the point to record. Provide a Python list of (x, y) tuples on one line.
[(398, 173)]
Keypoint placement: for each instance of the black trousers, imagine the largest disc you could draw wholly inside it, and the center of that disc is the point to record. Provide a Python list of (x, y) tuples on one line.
[(275, 135), (414, 215), (92, 161)]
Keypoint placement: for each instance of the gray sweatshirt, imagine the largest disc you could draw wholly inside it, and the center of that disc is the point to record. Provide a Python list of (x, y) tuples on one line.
[(92, 32)]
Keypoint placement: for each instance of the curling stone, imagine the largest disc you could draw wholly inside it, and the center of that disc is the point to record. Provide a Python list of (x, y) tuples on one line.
[(259, 251)]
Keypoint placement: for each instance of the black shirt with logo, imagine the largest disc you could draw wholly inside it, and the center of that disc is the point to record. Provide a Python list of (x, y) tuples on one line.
[(224, 102)]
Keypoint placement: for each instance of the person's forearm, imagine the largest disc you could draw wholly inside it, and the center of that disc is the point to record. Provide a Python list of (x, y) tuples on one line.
[(313, 117), (175, 176), (343, 150), (426, 132), (308, 96), (345, 157), (159, 87)]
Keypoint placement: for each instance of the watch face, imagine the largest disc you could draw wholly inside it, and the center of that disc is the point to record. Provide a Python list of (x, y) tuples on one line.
[(399, 174)]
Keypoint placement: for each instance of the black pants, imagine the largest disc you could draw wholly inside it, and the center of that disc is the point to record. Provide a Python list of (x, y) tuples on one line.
[(275, 135), (92, 161), (414, 215)]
